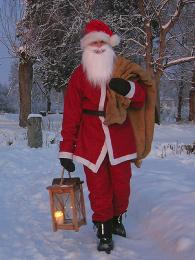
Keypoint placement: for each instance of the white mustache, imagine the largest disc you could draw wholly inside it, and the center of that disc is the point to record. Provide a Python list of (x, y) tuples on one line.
[(99, 51)]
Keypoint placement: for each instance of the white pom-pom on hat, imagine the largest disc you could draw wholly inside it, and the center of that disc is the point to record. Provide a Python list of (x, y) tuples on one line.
[(114, 40)]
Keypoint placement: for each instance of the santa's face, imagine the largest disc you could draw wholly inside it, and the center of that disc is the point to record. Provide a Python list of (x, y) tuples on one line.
[(98, 45), (98, 59)]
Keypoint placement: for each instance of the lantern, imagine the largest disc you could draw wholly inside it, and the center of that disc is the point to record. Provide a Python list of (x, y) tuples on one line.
[(67, 203)]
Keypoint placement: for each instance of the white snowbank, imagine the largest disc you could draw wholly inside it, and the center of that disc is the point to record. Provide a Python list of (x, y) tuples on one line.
[(160, 221)]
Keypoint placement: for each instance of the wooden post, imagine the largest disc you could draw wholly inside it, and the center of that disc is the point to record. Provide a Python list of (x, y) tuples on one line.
[(192, 105), (34, 132)]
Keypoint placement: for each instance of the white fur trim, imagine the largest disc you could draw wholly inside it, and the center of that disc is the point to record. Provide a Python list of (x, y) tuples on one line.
[(99, 36), (124, 158), (113, 160), (65, 155), (102, 99), (93, 167), (92, 37), (114, 40), (90, 165), (131, 92)]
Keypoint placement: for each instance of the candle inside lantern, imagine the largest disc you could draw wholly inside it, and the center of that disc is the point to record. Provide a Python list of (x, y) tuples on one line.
[(59, 217)]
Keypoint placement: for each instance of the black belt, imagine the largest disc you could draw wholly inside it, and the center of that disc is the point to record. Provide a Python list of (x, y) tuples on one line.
[(94, 112)]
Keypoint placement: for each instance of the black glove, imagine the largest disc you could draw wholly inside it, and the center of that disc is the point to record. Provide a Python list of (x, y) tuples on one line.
[(67, 164), (120, 86)]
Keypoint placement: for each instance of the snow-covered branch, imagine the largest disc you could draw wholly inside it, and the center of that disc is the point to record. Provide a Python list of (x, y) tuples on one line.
[(179, 61), (136, 42), (161, 6), (167, 27), (71, 4)]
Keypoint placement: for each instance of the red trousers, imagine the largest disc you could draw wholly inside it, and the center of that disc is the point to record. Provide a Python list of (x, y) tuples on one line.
[(109, 189)]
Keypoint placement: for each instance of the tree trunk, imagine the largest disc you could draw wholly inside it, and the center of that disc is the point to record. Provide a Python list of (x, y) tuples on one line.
[(156, 76), (149, 56), (192, 105), (180, 101), (25, 87), (192, 100), (48, 102)]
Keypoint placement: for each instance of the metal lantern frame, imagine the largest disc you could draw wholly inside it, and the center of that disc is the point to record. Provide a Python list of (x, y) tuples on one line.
[(67, 203)]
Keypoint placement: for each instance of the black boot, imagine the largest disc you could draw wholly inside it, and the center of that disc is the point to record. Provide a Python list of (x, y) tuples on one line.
[(118, 227), (104, 233)]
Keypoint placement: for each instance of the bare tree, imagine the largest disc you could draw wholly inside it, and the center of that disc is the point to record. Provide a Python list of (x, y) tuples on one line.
[(148, 31), (11, 13)]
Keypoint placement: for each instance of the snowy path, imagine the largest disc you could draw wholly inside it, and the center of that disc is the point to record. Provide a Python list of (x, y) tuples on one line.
[(160, 221)]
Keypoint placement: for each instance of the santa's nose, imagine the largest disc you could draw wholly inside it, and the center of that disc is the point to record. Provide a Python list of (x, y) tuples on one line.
[(100, 44)]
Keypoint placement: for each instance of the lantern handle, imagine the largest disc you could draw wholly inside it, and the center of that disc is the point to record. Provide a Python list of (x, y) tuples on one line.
[(62, 176), (69, 175)]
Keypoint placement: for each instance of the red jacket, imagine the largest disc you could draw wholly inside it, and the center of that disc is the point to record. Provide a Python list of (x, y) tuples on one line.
[(85, 138)]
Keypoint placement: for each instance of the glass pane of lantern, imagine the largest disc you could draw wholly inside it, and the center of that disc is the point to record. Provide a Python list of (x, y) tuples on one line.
[(62, 203)]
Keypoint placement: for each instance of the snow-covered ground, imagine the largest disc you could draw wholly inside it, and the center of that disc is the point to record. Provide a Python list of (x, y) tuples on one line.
[(160, 221)]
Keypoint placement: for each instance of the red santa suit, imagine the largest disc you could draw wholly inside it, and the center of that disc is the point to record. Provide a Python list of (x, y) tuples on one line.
[(105, 151), (98, 147), (85, 137)]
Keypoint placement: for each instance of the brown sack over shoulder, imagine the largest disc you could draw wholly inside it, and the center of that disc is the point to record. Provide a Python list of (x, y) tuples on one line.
[(142, 119)]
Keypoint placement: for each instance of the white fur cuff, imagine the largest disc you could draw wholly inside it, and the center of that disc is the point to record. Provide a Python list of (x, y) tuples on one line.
[(131, 93), (65, 155)]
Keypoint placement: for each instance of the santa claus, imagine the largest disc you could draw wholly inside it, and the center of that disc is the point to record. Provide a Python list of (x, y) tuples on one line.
[(104, 150)]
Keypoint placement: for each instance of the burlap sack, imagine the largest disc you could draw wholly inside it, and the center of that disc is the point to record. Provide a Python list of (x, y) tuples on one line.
[(118, 107)]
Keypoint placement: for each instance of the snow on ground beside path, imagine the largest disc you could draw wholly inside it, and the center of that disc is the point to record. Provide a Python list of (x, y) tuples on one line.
[(160, 220)]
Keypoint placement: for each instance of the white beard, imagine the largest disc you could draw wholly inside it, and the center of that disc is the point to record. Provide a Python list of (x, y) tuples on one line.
[(98, 64)]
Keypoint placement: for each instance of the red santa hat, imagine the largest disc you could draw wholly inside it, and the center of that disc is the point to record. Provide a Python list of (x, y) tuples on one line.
[(96, 30)]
